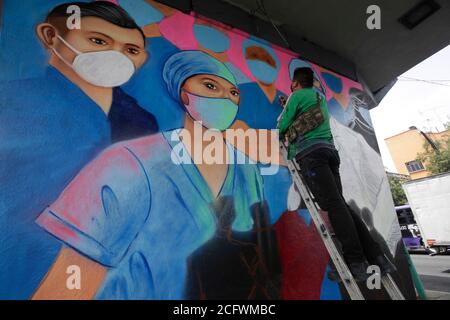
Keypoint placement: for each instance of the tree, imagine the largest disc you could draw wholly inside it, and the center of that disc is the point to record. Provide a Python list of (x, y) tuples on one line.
[(437, 161), (447, 125), (398, 194)]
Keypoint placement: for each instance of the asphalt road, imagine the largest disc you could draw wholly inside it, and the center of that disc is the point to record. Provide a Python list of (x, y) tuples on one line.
[(434, 271)]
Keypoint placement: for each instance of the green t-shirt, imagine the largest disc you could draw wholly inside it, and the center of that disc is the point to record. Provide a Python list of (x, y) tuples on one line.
[(301, 101)]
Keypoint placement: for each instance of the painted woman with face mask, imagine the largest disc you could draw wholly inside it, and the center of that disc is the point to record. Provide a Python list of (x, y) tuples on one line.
[(136, 214), (55, 122)]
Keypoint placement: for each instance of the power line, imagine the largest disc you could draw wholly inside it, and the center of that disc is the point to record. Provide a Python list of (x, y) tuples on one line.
[(410, 78), (435, 82), (264, 11)]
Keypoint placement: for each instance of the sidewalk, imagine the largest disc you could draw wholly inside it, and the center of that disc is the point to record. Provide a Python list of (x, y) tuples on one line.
[(437, 295)]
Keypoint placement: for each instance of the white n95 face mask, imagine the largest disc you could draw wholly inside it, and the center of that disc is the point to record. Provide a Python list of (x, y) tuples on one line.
[(101, 68)]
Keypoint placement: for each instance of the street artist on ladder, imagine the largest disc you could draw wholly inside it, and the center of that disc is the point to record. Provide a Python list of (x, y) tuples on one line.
[(305, 125)]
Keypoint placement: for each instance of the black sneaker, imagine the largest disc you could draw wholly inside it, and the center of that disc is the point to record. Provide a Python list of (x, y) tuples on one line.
[(386, 266), (359, 270)]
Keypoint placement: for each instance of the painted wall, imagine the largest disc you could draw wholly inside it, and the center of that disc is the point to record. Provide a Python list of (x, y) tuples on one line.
[(77, 184)]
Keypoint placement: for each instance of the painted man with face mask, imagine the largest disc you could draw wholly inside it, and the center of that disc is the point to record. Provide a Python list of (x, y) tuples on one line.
[(262, 96), (137, 212), (54, 125)]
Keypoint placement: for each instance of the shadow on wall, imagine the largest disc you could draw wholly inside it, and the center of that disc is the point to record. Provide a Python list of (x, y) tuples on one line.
[(236, 265), (400, 260)]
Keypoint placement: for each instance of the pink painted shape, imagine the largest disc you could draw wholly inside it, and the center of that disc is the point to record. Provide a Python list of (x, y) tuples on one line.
[(113, 1), (81, 200), (283, 82), (348, 84), (318, 70), (236, 55), (179, 30), (58, 229), (153, 147)]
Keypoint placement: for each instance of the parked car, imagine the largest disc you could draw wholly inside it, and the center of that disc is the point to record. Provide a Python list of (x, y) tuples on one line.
[(409, 228)]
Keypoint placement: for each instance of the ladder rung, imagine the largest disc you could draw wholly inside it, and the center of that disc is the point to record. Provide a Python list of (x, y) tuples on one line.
[(338, 261)]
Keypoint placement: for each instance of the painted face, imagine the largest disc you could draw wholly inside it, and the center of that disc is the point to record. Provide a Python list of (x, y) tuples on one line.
[(100, 52), (298, 63), (211, 38), (212, 100), (262, 64)]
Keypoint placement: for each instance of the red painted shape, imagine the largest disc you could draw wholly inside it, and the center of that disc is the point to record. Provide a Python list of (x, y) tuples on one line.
[(303, 257)]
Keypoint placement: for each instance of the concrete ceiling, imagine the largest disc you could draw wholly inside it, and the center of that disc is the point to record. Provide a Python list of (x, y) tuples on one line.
[(340, 26)]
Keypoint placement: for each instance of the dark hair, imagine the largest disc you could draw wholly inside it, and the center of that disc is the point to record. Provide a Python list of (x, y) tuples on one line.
[(304, 76), (100, 9)]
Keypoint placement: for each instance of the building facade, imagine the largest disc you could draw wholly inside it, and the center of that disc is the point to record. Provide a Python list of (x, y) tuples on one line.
[(405, 148)]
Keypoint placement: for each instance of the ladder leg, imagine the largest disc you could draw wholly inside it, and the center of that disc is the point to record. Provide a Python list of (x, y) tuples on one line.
[(339, 262), (335, 255), (392, 288)]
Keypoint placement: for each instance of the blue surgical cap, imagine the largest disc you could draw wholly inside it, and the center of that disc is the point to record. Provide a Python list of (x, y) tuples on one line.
[(183, 65)]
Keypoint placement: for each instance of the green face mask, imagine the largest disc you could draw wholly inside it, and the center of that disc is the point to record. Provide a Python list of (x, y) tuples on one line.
[(215, 113)]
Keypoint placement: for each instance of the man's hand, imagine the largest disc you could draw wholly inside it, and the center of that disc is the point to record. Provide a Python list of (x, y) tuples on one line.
[(282, 100)]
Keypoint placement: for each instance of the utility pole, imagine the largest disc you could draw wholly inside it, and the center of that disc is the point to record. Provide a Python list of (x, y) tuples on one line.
[(429, 140)]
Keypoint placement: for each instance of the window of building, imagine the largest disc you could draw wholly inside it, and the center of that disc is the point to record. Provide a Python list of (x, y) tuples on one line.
[(414, 166)]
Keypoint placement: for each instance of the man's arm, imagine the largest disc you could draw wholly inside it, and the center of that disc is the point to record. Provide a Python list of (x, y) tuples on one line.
[(289, 114), (55, 284)]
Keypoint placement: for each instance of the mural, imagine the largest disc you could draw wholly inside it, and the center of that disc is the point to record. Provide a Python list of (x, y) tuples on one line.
[(97, 131)]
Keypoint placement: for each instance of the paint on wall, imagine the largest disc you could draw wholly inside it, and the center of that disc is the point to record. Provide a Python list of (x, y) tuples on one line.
[(103, 183)]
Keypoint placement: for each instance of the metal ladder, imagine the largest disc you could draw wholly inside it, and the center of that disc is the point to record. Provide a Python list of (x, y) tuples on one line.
[(339, 262)]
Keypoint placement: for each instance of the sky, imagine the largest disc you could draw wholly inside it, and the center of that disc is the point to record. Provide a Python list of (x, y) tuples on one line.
[(415, 103)]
